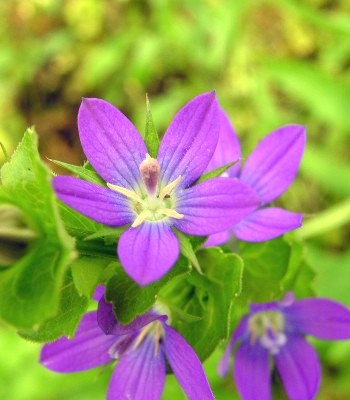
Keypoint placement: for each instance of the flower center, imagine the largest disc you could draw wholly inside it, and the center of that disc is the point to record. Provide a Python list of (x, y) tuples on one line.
[(269, 328), (157, 204)]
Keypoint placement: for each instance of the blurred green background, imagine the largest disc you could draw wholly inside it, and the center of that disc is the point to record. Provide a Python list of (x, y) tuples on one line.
[(271, 62)]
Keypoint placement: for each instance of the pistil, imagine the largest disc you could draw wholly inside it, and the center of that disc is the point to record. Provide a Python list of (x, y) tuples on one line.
[(149, 170)]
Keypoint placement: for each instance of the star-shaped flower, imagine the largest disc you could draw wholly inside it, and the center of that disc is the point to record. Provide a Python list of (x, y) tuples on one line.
[(143, 349), (276, 331), (154, 195), (269, 171)]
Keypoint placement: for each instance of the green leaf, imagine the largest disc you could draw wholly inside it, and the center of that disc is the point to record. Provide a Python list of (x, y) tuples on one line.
[(151, 135), (187, 250), (64, 323), (129, 299), (216, 172), (30, 288), (299, 277), (87, 272), (208, 297), (86, 173), (265, 264)]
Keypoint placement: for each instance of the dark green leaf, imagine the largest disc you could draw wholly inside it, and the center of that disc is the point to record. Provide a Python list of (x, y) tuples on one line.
[(129, 299)]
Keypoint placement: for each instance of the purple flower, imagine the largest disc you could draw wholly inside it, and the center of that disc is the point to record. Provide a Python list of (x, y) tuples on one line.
[(143, 348), (269, 171), (153, 195), (276, 331)]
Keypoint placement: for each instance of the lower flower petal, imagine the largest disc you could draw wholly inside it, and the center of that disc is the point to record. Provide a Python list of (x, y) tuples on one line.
[(266, 224), (88, 349), (140, 373), (323, 318), (217, 238), (299, 368), (214, 205), (186, 366), (251, 372), (148, 251), (96, 202)]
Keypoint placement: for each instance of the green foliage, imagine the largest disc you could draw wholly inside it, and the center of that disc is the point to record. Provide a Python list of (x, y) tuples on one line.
[(71, 306), (272, 268), (31, 287), (271, 62), (129, 299), (208, 297)]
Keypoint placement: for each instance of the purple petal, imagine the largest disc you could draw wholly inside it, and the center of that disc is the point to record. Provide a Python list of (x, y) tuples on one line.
[(190, 141), (99, 292), (323, 318), (251, 372), (299, 368), (214, 206), (186, 366), (96, 202), (266, 224), (228, 148), (110, 142), (88, 349), (109, 324), (239, 332), (273, 165), (140, 373), (217, 238), (148, 251)]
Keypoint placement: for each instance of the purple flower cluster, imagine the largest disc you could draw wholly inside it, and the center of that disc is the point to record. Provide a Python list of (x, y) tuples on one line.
[(143, 349), (153, 197), (276, 331)]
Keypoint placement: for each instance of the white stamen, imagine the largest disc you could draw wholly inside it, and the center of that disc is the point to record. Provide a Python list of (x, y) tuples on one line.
[(171, 213), (142, 335), (140, 218), (168, 188), (126, 192)]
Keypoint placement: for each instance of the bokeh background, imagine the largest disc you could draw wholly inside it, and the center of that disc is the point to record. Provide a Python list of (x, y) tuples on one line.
[(272, 62)]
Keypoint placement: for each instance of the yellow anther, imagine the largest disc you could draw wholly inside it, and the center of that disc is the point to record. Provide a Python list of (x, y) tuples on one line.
[(168, 188), (126, 192), (171, 213), (140, 218)]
